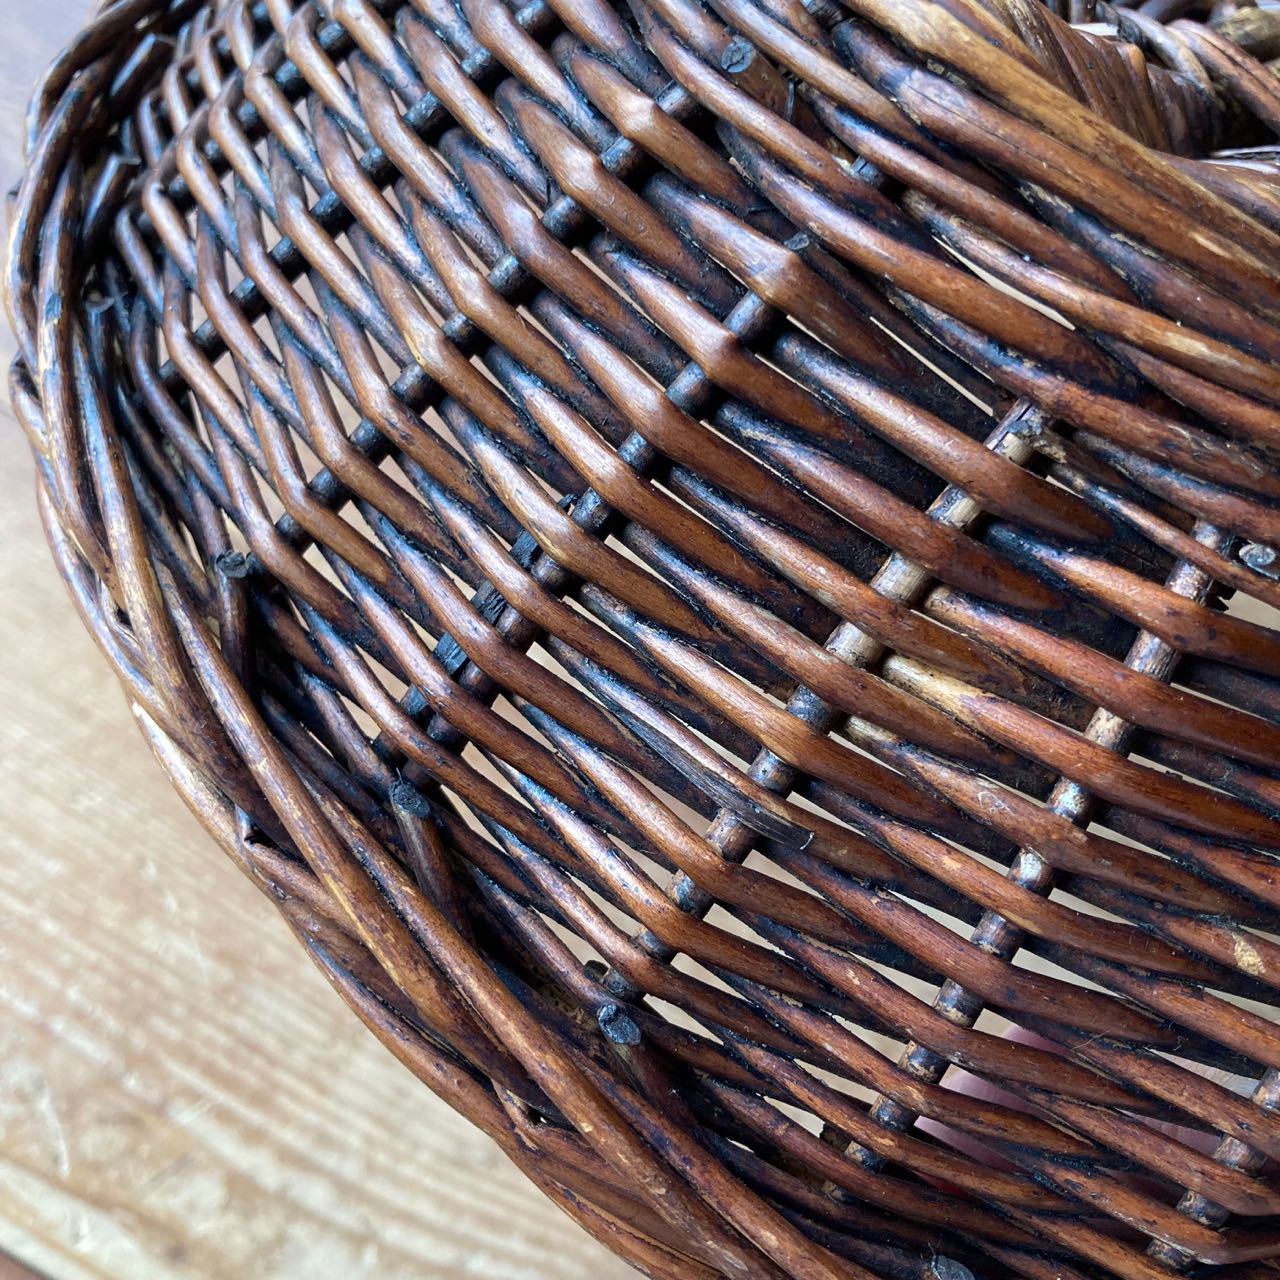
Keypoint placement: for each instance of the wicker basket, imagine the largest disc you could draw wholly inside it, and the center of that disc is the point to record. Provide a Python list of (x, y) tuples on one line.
[(695, 547)]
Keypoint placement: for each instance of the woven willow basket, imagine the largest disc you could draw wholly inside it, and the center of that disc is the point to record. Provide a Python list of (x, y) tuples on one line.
[(713, 556)]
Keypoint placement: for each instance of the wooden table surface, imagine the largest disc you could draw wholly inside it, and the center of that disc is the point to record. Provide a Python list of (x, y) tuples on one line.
[(181, 1094)]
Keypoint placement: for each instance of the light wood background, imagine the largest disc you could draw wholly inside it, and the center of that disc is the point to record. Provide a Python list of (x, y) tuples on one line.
[(182, 1097)]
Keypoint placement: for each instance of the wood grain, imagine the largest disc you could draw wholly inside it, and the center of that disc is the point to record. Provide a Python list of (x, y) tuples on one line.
[(789, 563), (162, 1116)]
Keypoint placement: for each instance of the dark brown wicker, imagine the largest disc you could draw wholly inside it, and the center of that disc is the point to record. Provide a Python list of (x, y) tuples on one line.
[(694, 547)]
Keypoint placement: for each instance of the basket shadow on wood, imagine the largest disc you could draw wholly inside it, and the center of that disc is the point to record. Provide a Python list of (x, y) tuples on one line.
[(695, 549)]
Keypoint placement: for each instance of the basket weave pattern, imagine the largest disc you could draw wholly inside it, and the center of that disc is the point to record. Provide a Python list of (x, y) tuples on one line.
[(687, 544)]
